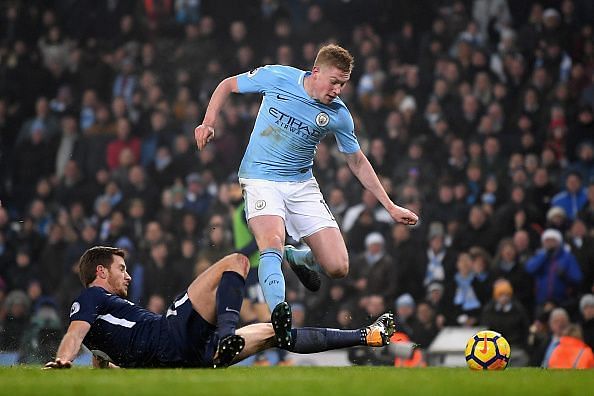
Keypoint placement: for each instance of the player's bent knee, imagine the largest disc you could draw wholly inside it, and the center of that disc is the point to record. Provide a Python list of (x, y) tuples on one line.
[(240, 264), (339, 269)]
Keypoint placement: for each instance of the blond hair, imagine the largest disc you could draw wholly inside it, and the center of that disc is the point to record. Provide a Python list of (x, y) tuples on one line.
[(335, 55), (575, 331)]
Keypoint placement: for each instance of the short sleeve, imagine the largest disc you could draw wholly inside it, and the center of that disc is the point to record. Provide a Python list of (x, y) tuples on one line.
[(257, 80), (344, 132), (88, 305)]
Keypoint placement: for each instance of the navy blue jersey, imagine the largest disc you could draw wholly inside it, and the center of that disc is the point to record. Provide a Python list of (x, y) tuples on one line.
[(132, 336)]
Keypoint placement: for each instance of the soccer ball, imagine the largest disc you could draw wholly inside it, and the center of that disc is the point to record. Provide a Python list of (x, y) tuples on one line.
[(487, 350)]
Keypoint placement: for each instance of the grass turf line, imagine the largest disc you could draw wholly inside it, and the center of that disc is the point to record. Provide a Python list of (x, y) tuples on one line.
[(287, 381)]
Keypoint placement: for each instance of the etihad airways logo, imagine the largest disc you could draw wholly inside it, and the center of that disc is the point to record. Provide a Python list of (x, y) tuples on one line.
[(292, 124)]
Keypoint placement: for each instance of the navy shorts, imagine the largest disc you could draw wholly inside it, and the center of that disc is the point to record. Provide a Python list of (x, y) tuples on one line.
[(191, 340)]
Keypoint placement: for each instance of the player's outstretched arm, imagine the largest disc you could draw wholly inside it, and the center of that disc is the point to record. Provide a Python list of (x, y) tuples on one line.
[(360, 166), (204, 132), (70, 345)]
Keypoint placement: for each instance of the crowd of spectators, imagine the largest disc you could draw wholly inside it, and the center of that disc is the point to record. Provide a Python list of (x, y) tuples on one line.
[(476, 114)]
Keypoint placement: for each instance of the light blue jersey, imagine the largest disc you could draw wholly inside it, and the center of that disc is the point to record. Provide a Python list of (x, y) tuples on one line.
[(289, 125)]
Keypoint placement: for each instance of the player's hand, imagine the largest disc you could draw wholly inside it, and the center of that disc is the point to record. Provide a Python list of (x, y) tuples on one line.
[(58, 364), (203, 134), (403, 215)]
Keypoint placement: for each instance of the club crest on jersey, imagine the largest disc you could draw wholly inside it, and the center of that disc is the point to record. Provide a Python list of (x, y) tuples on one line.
[(75, 308), (260, 204), (253, 72), (322, 119)]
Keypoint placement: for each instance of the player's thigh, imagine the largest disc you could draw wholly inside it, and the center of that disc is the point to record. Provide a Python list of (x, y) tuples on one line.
[(202, 291), (265, 211), (258, 337), (269, 231), (330, 251)]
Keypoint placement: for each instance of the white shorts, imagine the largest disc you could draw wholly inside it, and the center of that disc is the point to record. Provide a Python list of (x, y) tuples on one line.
[(300, 204)]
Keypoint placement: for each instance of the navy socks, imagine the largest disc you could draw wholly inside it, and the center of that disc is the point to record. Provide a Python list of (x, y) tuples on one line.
[(229, 299), (313, 339)]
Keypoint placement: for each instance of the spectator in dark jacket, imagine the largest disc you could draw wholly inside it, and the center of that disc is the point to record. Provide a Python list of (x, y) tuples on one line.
[(508, 267), (478, 232), (507, 316), (374, 271)]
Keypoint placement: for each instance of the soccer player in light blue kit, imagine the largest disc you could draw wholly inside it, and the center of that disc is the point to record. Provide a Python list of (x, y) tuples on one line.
[(298, 109)]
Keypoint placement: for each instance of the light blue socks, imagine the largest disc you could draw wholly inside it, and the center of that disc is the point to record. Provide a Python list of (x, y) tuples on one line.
[(271, 277)]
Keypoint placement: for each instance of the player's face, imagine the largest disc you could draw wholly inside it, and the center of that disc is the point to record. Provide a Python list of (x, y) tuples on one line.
[(118, 278), (328, 82)]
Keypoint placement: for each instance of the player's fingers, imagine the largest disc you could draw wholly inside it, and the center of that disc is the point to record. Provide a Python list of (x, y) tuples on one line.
[(197, 136)]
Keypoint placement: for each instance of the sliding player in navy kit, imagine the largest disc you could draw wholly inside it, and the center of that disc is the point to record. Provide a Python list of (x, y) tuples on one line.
[(198, 330)]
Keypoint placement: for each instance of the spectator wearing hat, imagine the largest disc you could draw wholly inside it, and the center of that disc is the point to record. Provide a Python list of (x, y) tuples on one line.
[(587, 318), (557, 218), (374, 271), (555, 270), (506, 315), (405, 310), (573, 198)]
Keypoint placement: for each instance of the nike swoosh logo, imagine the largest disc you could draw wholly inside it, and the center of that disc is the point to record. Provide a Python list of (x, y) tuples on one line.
[(281, 97), (484, 350), (231, 310)]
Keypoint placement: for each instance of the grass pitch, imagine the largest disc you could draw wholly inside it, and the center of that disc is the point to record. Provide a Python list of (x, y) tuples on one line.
[(301, 381)]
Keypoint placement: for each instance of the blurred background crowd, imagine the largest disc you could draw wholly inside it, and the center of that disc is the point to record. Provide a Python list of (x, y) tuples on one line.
[(476, 114)]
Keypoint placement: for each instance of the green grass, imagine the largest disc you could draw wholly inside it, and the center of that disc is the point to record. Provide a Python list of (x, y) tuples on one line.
[(302, 381)]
